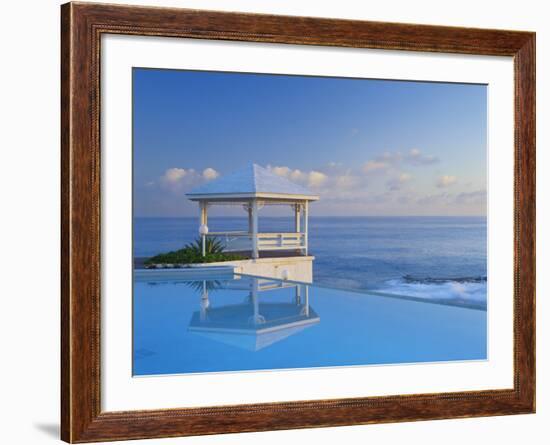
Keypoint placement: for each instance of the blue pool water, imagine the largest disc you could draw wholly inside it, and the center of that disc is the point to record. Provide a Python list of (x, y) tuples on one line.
[(200, 324), (438, 258)]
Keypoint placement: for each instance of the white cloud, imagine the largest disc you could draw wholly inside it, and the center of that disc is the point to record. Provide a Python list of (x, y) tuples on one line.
[(297, 175), (311, 179), (372, 166), (389, 157), (328, 180), (177, 179), (416, 157), (477, 197), (445, 181), (280, 171), (396, 183), (209, 174), (316, 179), (174, 175), (474, 203), (437, 199), (393, 185), (346, 182)]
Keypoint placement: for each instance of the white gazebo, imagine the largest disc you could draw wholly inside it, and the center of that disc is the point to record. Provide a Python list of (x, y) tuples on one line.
[(253, 188)]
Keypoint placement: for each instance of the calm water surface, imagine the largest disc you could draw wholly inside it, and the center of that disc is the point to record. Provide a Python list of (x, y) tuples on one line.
[(236, 323)]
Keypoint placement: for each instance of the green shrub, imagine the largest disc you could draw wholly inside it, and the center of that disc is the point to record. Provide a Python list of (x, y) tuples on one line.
[(192, 254)]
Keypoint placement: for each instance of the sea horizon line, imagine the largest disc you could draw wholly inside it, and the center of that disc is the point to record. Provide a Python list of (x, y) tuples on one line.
[(321, 216)]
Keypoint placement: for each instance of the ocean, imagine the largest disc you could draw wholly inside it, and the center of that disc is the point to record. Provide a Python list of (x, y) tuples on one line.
[(443, 259)]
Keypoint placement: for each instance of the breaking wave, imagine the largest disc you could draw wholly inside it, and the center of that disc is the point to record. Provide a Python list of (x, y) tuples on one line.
[(461, 291)]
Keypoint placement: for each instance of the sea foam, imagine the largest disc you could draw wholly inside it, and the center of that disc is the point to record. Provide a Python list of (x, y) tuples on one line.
[(464, 291)]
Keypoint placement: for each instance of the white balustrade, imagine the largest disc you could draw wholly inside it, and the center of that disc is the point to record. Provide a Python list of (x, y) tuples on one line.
[(242, 241)]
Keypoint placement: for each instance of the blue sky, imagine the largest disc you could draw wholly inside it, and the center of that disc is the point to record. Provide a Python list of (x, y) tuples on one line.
[(367, 147)]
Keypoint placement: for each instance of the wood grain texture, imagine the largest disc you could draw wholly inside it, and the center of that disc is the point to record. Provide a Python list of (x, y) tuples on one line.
[(81, 28)]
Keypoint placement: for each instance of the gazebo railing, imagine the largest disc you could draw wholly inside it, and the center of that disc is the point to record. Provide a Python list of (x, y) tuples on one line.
[(242, 241), (233, 241), (263, 284), (280, 241)]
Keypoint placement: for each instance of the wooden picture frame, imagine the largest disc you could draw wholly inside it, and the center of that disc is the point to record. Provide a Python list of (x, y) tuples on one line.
[(82, 25)]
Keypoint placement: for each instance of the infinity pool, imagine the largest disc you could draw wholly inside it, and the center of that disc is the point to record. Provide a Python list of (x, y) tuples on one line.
[(226, 322)]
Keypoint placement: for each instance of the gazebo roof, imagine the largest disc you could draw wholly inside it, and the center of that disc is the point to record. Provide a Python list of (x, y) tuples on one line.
[(253, 181), (231, 324)]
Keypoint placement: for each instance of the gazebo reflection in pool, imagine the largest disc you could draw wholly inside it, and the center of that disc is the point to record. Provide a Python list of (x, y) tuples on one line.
[(260, 320)]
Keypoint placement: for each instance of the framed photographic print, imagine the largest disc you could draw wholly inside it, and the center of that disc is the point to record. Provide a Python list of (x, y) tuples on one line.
[(277, 222)]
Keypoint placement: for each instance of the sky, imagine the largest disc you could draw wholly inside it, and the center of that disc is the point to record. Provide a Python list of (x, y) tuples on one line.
[(367, 147)]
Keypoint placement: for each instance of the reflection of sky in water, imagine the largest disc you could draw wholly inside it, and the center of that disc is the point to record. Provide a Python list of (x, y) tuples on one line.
[(241, 323)]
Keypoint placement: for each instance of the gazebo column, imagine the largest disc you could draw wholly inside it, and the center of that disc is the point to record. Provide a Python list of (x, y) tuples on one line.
[(298, 294), (257, 317), (254, 228), (306, 303), (205, 302), (306, 218), (203, 229), (249, 210), (204, 213), (297, 216)]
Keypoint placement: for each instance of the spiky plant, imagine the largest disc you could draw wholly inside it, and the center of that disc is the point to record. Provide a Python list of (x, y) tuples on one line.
[(213, 246), (211, 285)]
